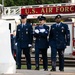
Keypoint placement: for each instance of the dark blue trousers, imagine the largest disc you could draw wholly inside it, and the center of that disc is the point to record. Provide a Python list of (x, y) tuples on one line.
[(61, 58), (27, 55), (44, 56)]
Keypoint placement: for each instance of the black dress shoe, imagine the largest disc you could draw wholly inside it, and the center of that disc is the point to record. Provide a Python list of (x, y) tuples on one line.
[(62, 70), (37, 68), (45, 69), (53, 70)]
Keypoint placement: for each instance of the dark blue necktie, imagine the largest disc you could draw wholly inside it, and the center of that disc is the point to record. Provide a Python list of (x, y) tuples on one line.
[(57, 25), (22, 26)]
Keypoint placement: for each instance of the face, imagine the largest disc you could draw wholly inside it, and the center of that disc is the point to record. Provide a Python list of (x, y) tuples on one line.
[(42, 22), (58, 20), (24, 20)]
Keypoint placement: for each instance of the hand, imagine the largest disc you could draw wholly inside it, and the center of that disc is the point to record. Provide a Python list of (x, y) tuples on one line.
[(36, 31), (42, 30), (29, 45)]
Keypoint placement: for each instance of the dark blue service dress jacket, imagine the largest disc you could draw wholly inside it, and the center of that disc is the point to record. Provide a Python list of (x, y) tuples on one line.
[(24, 35), (59, 36), (41, 37)]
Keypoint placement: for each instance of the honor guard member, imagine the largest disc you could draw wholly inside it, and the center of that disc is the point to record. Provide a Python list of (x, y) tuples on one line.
[(24, 41), (13, 43), (59, 38), (41, 43)]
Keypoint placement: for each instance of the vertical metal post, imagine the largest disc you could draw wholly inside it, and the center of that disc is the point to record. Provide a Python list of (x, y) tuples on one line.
[(1, 11), (3, 2)]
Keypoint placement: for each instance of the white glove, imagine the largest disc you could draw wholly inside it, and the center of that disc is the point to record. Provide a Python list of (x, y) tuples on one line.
[(15, 43), (42, 30), (36, 31), (29, 45)]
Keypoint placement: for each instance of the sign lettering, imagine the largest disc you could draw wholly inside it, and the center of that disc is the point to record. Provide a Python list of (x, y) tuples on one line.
[(49, 10)]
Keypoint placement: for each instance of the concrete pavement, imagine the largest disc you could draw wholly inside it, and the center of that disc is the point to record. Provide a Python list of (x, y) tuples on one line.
[(67, 71)]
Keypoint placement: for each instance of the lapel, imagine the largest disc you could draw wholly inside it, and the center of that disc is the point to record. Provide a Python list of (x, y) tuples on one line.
[(21, 26), (55, 25), (44, 26), (59, 28), (60, 24), (25, 26), (56, 28)]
